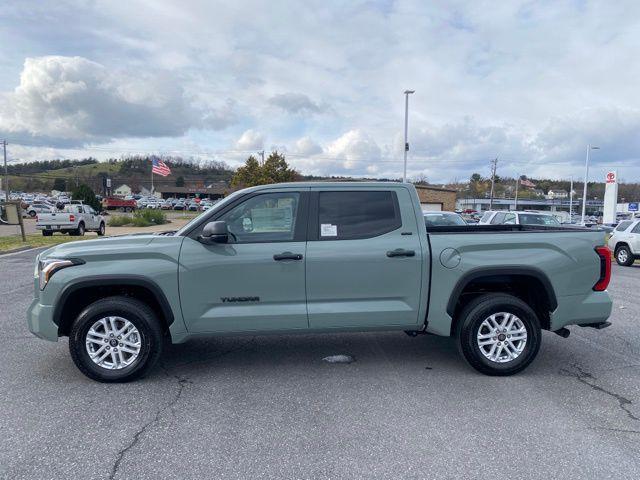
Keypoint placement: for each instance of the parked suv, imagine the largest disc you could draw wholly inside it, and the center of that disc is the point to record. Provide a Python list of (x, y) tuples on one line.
[(320, 257), (625, 242)]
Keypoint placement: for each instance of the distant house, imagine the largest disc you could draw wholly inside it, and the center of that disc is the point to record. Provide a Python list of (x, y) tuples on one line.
[(537, 192), (123, 190), (555, 194)]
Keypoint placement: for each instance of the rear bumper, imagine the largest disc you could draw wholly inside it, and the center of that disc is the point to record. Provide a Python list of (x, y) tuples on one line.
[(40, 321), (592, 308)]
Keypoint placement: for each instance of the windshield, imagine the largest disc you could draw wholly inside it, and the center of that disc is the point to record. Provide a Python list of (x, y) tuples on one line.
[(443, 219), (536, 219)]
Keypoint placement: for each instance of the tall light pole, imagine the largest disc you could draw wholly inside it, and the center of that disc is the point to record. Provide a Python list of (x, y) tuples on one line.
[(6, 172), (586, 178), (571, 201), (406, 131)]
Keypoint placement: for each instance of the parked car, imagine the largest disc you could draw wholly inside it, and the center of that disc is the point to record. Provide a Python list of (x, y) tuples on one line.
[(153, 204), (39, 207), (320, 257), (166, 205), (74, 219), (625, 242), (192, 207), (180, 205), (441, 219), (506, 217)]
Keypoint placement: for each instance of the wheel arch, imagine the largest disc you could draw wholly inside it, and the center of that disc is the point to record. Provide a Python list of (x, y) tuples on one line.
[(619, 244), (76, 295), (516, 281)]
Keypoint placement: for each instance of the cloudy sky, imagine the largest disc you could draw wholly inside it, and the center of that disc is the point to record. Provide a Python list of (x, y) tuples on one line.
[(532, 82)]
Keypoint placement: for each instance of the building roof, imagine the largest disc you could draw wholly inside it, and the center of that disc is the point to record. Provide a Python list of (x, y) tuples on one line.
[(436, 189)]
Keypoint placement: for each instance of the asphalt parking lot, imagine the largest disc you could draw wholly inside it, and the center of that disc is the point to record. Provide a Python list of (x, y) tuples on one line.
[(269, 407)]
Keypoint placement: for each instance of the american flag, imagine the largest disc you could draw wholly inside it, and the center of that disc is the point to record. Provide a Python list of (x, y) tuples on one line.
[(159, 167)]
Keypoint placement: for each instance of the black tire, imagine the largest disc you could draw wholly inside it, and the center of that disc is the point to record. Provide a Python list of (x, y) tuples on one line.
[(47, 233), (32, 213), (137, 313), (469, 324), (79, 232), (624, 252), (101, 230)]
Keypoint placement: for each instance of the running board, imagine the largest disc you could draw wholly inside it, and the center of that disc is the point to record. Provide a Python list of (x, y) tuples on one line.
[(597, 326)]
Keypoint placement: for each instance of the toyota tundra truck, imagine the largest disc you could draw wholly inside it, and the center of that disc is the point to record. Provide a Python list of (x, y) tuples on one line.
[(320, 257)]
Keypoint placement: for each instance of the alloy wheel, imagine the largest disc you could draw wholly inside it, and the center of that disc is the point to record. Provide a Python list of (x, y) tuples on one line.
[(113, 343), (502, 337)]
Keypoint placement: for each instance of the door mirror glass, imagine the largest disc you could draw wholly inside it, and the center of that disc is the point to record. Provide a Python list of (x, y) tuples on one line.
[(214, 232)]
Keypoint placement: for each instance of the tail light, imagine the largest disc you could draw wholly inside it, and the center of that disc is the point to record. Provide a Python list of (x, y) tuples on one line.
[(605, 268), (72, 218)]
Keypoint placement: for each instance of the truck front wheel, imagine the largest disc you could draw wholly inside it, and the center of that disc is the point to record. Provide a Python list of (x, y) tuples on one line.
[(624, 256), (116, 339), (498, 334)]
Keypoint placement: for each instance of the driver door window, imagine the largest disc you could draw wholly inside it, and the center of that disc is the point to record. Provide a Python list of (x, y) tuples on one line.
[(269, 217)]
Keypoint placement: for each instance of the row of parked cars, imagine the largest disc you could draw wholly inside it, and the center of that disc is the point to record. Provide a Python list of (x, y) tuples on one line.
[(190, 204), (503, 217)]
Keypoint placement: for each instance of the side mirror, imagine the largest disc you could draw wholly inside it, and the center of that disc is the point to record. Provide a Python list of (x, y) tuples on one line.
[(214, 232)]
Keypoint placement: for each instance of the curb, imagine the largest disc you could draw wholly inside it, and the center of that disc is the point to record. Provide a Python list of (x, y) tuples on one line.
[(16, 250)]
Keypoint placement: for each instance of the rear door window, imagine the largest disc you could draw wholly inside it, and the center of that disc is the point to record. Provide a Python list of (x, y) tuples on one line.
[(498, 219), (485, 218), (623, 226), (347, 215)]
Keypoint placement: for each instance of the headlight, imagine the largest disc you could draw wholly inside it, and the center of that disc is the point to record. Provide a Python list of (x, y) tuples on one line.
[(49, 266)]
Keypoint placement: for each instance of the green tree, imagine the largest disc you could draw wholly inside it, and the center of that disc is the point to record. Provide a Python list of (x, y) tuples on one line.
[(60, 184), (274, 170), (87, 196), (180, 181)]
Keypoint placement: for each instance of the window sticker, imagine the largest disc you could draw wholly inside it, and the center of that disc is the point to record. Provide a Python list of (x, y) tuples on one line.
[(328, 230)]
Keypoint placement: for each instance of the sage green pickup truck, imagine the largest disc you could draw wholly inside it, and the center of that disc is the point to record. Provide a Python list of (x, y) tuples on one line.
[(320, 257)]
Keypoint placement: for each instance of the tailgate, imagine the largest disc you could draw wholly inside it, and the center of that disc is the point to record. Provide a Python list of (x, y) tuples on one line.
[(54, 221)]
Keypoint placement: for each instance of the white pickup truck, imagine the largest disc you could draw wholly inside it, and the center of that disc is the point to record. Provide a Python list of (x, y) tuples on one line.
[(73, 219)]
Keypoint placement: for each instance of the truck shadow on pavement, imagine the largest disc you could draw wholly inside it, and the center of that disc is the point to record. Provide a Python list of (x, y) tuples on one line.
[(306, 353)]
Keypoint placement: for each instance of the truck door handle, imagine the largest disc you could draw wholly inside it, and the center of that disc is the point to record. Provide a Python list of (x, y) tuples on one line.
[(401, 252), (287, 256)]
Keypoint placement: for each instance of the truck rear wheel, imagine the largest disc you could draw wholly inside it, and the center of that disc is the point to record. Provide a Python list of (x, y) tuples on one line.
[(116, 339), (498, 334), (47, 233), (79, 232)]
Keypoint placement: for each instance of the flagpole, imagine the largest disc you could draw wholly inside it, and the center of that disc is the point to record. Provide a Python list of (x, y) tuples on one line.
[(151, 177)]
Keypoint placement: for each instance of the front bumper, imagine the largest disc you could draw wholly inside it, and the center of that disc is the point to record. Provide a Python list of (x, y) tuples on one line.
[(592, 308), (40, 321)]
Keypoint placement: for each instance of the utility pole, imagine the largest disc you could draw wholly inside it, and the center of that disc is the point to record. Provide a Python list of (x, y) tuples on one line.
[(406, 131), (261, 152), (515, 207), (6, 172), (494, 164)]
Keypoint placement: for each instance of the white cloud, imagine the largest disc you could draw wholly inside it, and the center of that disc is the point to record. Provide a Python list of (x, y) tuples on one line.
[(250, 140), (72, 100), (305, 146), (355, 149)]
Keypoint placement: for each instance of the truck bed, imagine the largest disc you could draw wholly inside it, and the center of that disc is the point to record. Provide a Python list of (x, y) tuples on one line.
[(505, 228)]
